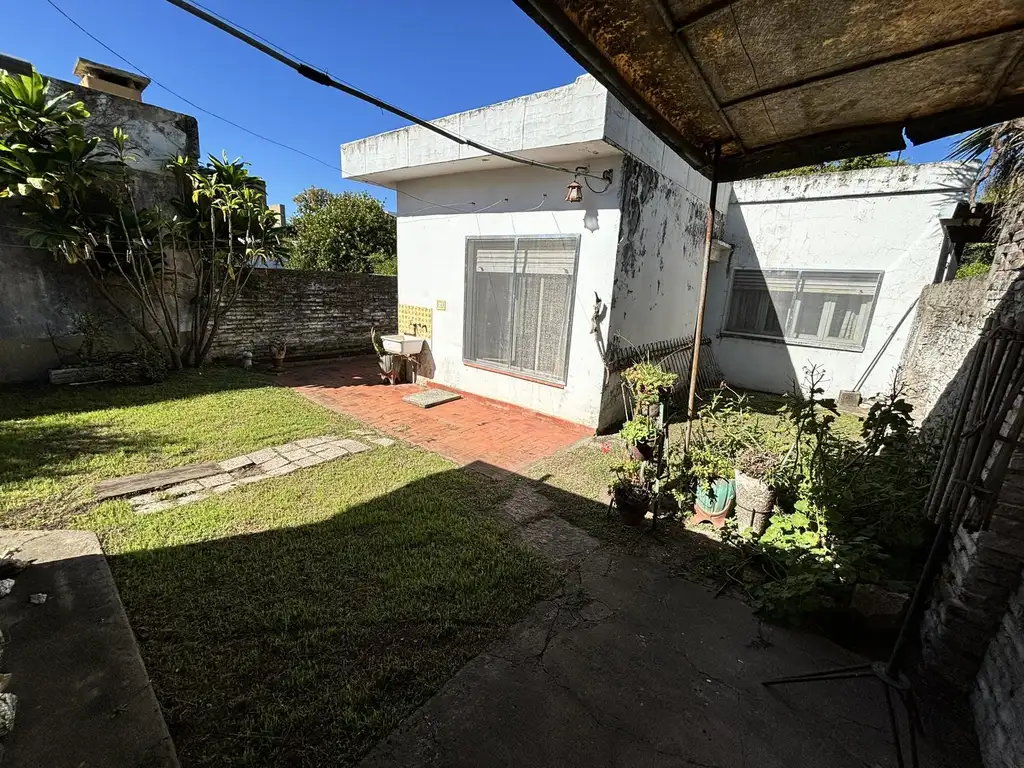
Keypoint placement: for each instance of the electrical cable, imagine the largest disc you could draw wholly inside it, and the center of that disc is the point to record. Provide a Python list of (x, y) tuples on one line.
[(232, 123), (321, 77)]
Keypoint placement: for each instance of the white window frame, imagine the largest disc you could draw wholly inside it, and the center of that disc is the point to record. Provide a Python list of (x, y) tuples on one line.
[(789, 335), (469, 311)]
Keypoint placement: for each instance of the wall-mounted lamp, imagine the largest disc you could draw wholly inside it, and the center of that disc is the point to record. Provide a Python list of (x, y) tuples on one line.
[(574, 194)]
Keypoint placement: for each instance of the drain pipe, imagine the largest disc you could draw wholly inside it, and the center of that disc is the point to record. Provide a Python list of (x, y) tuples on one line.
[(702, 301)]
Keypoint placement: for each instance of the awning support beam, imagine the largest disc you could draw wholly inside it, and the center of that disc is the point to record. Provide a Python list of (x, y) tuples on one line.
[(709, 236)]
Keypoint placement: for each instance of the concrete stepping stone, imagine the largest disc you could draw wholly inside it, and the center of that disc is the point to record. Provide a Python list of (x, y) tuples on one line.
[(428, 398), (174, 488)]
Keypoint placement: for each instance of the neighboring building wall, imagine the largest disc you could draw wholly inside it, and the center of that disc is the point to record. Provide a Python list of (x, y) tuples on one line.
[(519, 201), (40, 295), (946, 327), (998, 695), (879, 219), (317, 314)]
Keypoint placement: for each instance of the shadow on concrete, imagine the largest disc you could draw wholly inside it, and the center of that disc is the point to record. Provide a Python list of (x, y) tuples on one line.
[(306, 645)]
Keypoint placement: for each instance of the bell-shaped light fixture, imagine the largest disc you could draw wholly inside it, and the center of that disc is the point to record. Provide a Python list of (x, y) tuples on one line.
[(575, 193)]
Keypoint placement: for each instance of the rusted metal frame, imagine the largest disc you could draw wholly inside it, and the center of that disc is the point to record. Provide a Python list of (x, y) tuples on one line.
[(705, 86), (709, 235), (557, 24), (903, 56), (1008, 69)]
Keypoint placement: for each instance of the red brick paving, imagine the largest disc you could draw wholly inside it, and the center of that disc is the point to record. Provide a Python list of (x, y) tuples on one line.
[(471, 429)]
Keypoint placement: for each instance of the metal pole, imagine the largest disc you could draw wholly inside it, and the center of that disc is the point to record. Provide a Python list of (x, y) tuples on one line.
[(702, 301)]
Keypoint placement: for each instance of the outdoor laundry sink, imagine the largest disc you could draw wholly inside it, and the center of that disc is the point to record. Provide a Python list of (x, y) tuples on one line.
[(402, 344)]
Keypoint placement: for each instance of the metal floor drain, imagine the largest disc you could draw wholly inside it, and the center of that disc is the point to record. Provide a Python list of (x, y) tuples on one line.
[(428, 398)]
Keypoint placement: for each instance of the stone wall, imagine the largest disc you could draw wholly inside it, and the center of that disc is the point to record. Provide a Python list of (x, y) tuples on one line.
[(998, 696), (982, 573), (971, 633), (946, 327), (317, 314)]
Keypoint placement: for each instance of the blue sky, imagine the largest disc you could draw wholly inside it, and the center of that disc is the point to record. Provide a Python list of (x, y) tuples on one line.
[(431, 58)]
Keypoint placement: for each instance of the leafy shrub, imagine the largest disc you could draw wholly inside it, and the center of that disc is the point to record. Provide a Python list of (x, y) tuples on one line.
[(646, 382), (972, 269), (639, 429), (850, 507)]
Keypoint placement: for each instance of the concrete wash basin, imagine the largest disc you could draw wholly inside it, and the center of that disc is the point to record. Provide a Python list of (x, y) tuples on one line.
[(402, 344)]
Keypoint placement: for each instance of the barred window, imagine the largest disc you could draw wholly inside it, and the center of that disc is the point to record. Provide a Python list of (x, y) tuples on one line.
[(519, 298), (813, 307)]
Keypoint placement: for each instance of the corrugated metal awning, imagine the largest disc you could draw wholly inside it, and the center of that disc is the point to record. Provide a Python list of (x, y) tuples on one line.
[(795, 82)]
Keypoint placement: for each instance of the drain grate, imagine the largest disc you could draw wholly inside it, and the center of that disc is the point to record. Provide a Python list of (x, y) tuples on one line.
[(428, 398)]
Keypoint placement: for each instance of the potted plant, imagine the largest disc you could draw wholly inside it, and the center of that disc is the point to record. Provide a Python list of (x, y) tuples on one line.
[(648, 384), (641, 435), (632, 490), (278, 349), (756, 468), (713, 476), (388, 363)]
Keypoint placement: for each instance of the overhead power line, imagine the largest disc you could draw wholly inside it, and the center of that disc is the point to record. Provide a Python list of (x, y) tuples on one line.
[(323, 78), (314, 158)]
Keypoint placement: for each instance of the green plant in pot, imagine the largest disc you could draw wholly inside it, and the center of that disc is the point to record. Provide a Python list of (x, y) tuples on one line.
[(388, 363), (633, 489), (640, 434), (712, 474), (648, 385)]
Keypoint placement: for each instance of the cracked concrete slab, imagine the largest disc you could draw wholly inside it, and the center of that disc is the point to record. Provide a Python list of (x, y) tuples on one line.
[(557, 539), (84, 698), (631, 666)]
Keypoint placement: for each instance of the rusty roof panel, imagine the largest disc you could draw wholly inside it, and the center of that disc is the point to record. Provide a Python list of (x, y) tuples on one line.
[(797, 81)]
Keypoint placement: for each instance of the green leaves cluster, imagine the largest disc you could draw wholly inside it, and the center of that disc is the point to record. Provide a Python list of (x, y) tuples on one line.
[(159, 266), (880, 160), (849, 508), (42, 140), (347, 232)]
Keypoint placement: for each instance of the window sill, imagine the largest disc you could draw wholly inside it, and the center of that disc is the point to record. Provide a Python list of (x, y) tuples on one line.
[(793, 342), (515, 374)]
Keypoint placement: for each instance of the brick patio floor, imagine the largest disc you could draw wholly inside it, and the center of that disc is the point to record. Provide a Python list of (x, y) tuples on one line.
[(467, 430)]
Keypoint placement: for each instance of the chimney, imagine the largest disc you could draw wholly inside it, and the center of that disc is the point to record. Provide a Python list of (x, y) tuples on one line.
[(278, 210), (116, 82)]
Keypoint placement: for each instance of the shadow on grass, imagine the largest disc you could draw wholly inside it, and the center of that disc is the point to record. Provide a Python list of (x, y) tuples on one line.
[(30, 450), (26, 401), (305, 645)]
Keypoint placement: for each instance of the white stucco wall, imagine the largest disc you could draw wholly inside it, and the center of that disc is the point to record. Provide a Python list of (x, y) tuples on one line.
[(431, 266), (880, 219)]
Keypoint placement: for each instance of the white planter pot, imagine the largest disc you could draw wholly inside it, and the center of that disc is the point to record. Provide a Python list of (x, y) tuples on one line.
[(754, 502)]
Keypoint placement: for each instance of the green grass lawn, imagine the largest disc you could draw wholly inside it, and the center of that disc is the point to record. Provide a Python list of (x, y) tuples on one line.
[(290, 622)]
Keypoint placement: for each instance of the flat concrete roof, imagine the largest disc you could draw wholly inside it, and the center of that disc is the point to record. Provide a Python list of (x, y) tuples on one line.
[(565, 125)]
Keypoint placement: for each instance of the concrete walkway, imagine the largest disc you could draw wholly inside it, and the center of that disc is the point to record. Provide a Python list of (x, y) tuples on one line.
[(630, 666), (467, 430), (84, 698)]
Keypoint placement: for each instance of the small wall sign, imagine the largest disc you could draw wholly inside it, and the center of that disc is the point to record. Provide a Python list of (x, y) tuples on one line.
[(442, 305)]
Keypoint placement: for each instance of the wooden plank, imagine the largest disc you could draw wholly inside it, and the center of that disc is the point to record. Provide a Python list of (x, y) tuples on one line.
[(151, 481)]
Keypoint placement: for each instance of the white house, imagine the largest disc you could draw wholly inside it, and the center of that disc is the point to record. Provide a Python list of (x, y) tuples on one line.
[(524, 297)]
